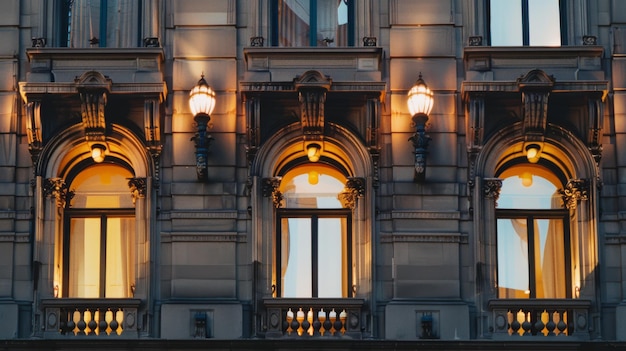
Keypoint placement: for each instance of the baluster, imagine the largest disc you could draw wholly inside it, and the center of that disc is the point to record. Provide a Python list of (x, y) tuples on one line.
[(70, 322), (115, 324), (562, 325), (526, 325), (539, 325), (321, 317), (81, 325), (300, 319), (289, 320), (102, 323), (515, 324), (333, 318), (308, 321), (343, 316), (91, 324), (550, 326)]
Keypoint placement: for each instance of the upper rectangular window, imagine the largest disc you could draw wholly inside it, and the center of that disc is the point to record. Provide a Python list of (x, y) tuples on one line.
[(312, 23), (98, 23), (526, 23)]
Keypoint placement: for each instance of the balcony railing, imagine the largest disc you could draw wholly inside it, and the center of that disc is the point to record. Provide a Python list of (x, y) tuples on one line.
[(316, 317), (540, 318), (70, 317)]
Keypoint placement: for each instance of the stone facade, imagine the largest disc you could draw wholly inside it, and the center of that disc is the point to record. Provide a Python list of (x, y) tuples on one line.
[(424, 257)]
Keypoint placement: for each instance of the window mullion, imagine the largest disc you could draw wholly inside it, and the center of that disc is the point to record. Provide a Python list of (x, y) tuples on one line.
[(103, 23), (314, 255), (530, 230), (103, 255), (313, 23), (525, 23)]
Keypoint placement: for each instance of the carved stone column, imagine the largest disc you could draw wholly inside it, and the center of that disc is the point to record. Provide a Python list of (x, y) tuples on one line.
[(33, 128), (57, 189), (270, 189), (575, 190), (138, 187), (491, 189), (355, 188)]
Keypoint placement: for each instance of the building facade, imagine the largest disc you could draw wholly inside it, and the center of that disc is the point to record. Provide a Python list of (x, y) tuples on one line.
[(397, 170)]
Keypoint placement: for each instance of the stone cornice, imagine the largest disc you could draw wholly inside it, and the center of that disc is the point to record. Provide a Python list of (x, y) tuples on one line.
[(202, 237), (452, 238), (400, 214)]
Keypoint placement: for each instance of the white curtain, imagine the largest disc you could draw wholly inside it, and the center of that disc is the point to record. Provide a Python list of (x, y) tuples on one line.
[(554, 257), (121, 23)]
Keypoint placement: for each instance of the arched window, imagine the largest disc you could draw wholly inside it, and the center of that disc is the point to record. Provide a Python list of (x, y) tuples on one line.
[(99, 235), (313, 234), (533, 235)]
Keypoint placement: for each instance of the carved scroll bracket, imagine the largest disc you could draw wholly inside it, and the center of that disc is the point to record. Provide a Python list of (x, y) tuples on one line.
[(270, 188)]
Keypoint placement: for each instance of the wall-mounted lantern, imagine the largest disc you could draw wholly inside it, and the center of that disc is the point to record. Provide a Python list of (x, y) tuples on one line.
[(533, 152), (202, 103), (420, 103), (97, 152)]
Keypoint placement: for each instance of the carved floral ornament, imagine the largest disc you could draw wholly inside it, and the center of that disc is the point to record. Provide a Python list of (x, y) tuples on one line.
[(575, 190)]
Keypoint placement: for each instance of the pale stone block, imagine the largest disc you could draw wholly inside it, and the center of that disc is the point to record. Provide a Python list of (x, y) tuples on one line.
[(220, 74), (422, 41), (225, 322), (204, 42), (439, 73), (422, 12), (403, 322), (201, 12), (204, 288)]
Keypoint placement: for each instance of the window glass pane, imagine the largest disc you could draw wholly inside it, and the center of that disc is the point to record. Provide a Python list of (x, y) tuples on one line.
[(84, 265), (332, 23), (102, 186), (293, 22), (312, 23), (506, 23), (296, 257), (550, 273), (529, 187), (90, 24), (120, 247), (513, 277), (544, 22), (312, 187), (330, 264)]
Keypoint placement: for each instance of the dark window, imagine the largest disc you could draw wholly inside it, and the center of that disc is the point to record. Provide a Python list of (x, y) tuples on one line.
[(98, 23), (312, 23)]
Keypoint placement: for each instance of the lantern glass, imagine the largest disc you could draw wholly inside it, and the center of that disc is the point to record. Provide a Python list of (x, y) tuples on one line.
[(420, 98), (202, 98)]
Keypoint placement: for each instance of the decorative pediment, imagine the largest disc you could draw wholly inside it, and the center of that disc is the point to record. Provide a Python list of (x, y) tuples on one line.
[(312, 79), (93, 88), (93, 80), (537, 79), (312, 87)]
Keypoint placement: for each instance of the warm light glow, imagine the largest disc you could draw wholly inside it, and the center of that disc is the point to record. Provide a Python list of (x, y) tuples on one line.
[(202, 98), (97, 153), (532, 153), (527, 179), (314, 177), (420, 98), (313, 152)]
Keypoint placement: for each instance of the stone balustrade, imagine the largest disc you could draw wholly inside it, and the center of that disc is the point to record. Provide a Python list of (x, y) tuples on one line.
[(540, 318), (315, 317), (69, 317)]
